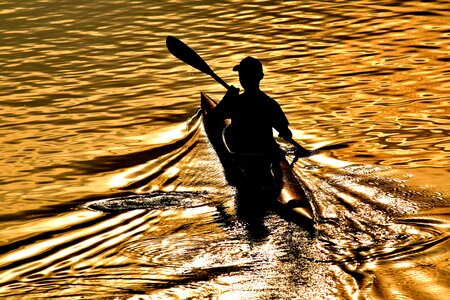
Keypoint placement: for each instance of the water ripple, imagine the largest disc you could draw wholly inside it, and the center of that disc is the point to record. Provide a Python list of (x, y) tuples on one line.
[(155, 200)]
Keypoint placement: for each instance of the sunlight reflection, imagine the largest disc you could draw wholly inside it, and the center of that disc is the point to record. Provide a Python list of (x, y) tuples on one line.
[(48, 225), (329, 161), (404, 264), (171, 133), (124, 178), (92, 104)]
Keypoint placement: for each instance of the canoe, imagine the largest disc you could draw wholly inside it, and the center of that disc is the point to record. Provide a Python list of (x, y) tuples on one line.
[(289, 193)]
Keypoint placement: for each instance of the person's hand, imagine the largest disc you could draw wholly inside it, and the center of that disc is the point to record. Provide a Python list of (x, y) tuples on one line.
[(302, 152), (299, 150), (232, 92), (286, 135)]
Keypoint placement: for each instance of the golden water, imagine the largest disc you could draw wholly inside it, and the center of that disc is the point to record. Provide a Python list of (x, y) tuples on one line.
[(110, 189)]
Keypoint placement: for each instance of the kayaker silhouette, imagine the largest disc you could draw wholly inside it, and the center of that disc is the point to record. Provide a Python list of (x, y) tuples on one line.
[(253, 114)]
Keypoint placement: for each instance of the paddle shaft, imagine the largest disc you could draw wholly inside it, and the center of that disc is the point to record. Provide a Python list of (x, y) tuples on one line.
[(219, 80)]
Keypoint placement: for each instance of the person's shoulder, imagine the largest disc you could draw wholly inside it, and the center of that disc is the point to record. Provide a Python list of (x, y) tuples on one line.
[(269, 100)]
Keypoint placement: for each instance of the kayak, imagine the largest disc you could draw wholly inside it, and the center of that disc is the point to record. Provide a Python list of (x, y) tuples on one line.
[(289, 193)]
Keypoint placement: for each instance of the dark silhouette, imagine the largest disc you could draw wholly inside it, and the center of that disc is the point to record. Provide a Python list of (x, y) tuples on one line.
[(253, 114), (252, 175), (257, 159)]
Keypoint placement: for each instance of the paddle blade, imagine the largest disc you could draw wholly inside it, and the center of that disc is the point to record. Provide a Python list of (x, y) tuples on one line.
[(303, 153), (184, 53), (334, 147)]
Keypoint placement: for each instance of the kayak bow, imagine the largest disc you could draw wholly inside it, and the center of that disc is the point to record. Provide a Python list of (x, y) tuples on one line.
[(290, 194)]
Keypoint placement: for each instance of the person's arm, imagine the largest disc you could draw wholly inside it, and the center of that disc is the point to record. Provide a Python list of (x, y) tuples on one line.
[(223, 107), (281, 124), (285, 133)]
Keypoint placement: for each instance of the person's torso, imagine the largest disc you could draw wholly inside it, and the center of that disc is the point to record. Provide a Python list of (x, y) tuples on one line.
[(252, 122)]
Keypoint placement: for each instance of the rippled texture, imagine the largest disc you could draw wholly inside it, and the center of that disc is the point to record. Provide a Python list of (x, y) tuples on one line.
[(109, 187)]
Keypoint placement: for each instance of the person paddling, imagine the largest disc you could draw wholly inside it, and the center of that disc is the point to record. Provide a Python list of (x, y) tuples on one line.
[(253, 114)]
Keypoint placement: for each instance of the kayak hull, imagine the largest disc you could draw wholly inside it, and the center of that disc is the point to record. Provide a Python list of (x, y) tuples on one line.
[(287, 191)]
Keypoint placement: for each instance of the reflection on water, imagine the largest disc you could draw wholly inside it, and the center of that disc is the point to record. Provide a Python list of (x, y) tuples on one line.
[(186, 244), (107, 191)]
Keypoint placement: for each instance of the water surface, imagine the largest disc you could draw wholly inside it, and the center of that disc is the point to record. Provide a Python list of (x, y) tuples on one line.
[(110, 189)]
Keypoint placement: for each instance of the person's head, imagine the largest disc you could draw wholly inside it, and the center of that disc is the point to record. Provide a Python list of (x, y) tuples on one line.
[(250, 72)]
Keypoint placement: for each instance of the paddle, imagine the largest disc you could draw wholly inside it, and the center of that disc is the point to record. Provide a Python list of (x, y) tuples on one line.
[(308, 153), (184, 53), (300, 152)]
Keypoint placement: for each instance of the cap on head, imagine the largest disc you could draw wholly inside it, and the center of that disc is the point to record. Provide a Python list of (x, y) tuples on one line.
[(250, 65)]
